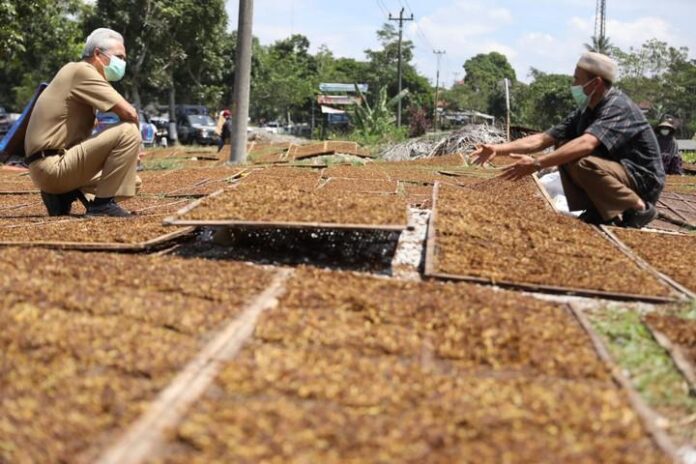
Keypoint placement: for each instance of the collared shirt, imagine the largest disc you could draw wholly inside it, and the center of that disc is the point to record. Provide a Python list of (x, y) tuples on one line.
[(64, 113), (671, 159), (625, 136)]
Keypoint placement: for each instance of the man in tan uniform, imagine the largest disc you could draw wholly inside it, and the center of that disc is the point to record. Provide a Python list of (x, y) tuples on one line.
[(64, 161)]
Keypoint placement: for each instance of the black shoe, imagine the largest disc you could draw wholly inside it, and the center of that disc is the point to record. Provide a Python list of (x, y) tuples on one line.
[(110, 208), (591, 216), (639, 219), (60, 204)]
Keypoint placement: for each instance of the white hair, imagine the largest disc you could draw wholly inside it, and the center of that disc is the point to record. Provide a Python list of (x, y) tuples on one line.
[(102, 39)]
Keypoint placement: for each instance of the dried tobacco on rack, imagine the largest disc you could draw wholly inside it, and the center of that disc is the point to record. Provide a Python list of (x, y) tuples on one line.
[(673, 255), (503, 231), (190, 181), (359, 369), (680, 332), (295, 198), (13, 182), (134, 230), (681, 184), (89, 339)]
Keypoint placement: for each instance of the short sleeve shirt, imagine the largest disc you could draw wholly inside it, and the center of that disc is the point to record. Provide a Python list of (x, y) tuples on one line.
[(625, 136), (64, 113)]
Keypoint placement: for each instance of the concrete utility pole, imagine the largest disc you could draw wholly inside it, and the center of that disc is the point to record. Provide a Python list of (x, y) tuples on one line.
[(439, 54), (401, 20), (507, 106), (242, 83)]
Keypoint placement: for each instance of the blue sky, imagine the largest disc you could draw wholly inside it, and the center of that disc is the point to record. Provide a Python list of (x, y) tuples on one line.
[(545, 34)]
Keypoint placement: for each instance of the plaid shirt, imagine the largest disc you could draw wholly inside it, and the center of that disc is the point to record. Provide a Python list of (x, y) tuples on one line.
[(625, 136)]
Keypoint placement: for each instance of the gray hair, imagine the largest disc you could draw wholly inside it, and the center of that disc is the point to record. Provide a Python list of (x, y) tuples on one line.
[(102, 39)]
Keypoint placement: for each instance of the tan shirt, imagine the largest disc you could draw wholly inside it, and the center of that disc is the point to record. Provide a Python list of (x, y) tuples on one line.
[(64, 113)]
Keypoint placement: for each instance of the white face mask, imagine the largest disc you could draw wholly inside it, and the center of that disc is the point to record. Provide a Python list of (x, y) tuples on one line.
[(665, 132)]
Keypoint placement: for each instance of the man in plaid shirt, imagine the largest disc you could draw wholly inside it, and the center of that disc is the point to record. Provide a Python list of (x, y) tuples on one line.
[(606, 151)]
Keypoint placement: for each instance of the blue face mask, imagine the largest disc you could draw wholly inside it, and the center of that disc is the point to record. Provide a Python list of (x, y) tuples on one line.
[(115, 70)]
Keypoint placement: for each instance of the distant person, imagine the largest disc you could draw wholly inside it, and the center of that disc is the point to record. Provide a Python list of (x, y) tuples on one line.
[(222, 129), (671, 159), (64, 161), (607, 154)]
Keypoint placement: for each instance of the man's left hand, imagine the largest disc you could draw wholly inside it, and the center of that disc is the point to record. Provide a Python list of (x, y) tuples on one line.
[(522, 168)]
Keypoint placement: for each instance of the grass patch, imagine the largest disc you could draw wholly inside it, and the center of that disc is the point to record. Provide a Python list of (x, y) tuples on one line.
[(652, 370), (161, 164), (689, 156)]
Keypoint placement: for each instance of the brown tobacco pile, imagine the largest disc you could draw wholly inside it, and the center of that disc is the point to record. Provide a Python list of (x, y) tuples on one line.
[(681, 184), (296, 199), (88, 340), (370, 172), (87, 230), (359, 186), (673, 255), (358, 369), (503, 231), (185, 181), (680, 331), (14, 182), (452, 159), (462, 323)]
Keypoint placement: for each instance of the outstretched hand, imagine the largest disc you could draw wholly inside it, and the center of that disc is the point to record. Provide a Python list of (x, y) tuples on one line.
[(484, 153), (522, 168)]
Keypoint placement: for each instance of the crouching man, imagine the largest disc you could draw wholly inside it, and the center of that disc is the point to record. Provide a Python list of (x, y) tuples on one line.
[(608, 157), (64, 161)]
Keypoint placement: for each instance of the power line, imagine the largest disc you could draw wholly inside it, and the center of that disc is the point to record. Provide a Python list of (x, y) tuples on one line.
[(382, 7)]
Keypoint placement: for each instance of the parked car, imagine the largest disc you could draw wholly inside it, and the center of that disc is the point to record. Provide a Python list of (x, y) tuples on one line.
[(187, 110), (4, 122), (197, 128), (104, 121), (274, 127)]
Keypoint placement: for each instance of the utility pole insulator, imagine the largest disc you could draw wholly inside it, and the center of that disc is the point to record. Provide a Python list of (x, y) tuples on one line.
[(401, 20)]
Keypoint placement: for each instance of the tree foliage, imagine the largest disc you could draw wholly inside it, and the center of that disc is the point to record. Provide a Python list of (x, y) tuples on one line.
[(184, 48), (36, 38)]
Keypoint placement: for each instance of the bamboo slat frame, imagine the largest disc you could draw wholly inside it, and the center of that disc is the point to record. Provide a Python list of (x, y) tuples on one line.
[(104, 246), (647, 416), (431, 272), (175, 221)]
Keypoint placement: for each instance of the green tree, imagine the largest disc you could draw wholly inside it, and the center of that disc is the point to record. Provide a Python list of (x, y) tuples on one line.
[(601, 44), (547, 100), (42, 36), (171, 44), (287, 77), (382, 69)]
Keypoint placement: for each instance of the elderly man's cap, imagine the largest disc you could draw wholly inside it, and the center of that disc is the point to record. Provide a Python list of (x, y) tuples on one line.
[(599, 65), (668, 121)]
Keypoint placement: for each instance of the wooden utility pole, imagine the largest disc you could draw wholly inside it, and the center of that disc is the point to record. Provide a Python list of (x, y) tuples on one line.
[(439, 54), (242, 83), (401, 20)]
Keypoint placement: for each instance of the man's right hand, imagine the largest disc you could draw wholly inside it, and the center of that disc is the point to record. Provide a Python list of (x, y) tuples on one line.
[(484, 153)]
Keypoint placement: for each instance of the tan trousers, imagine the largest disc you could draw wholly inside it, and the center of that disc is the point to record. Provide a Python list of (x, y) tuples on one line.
[(103, 165), (600, 183)]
